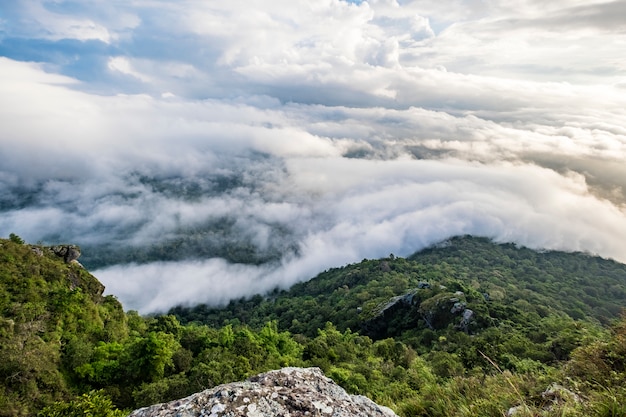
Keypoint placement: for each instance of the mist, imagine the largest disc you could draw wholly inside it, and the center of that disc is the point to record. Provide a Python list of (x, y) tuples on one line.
[(197, 159)]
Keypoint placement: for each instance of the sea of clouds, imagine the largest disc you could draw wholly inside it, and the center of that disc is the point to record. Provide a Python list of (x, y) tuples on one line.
[(320, 132)]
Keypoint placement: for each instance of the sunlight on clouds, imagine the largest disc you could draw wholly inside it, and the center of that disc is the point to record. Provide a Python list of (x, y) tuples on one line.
[(28, 75), (123, 65), (58, 26), (307, 134)]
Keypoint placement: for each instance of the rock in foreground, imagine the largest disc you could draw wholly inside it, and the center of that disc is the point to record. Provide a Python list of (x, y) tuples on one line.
[(289, 392)]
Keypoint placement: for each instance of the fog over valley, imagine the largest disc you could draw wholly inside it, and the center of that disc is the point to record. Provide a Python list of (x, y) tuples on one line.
[(204, 151)]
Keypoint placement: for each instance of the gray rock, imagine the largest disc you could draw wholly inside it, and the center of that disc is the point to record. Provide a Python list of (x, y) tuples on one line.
[(289, 392), (468, 315), (405, 299), (457, 307), (377, 324), (516, 411), (558, 394), (69, 253)]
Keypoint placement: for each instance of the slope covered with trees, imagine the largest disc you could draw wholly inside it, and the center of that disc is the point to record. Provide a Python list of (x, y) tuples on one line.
[(391, 329), (51, 315), (500, 282)]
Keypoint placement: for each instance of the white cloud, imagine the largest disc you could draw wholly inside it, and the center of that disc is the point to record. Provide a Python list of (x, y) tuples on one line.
[(123, 65), (404, 206), (39, 20), (323, 131), (564, 41)]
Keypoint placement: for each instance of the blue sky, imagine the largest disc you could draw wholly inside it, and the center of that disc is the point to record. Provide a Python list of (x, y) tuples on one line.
[(354, 129)]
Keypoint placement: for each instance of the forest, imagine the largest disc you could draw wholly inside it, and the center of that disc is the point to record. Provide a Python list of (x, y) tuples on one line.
[(468, 327)]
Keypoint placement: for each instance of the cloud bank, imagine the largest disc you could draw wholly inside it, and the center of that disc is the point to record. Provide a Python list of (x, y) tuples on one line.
[(200, 152)]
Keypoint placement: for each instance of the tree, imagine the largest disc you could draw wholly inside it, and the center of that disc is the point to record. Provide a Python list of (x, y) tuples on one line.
[(151, 355), (16, 239)]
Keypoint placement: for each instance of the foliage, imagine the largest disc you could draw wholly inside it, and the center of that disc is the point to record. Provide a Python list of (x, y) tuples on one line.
[(93, 403), (522, 315), (47, 309), (373, 327), (16, 239), (502, 279)]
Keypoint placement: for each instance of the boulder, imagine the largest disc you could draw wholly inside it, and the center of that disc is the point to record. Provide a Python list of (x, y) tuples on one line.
[(557, 394), (518, 410), (286, 392), (384, 316), (69, 253), (468, 315), (458, 306)]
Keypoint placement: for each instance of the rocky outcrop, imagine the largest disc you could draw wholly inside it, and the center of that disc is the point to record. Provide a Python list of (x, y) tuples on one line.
[(37, 251), (405, 311), (289, 392), (77, 275), (555, 397), (394, 302), (69, 253), (386, 316), (466, 320)]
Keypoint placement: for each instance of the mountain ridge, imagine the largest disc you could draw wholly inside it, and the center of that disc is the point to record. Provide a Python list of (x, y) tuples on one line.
[(580, 285)]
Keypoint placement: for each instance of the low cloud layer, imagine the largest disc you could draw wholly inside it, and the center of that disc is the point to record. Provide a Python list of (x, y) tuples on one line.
[(209, 151)]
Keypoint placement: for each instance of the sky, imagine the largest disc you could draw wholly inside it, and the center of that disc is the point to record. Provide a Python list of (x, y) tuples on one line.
[(307, 134)]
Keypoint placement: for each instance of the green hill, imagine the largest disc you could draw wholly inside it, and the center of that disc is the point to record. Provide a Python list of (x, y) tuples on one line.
[(498, 281), (581, 285), (51, 313), (396, 330)]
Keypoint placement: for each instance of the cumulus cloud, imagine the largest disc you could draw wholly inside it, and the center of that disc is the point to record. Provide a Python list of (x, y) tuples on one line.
[(202, 151)]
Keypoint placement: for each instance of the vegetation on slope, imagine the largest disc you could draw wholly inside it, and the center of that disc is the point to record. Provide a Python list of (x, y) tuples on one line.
[(51, 314), (502, 284), (373, 327), (578, 284)]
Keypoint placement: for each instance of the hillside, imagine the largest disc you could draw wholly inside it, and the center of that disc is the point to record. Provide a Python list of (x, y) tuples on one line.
[(51, 312), (67, 350), (498, 280), (579, 284), (395, 330)]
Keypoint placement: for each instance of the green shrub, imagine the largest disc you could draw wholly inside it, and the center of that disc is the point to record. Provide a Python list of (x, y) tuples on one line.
[(92, 404)]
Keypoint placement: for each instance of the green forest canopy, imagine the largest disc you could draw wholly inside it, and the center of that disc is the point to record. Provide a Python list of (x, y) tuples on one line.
[(524, 282), (382, 328)]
